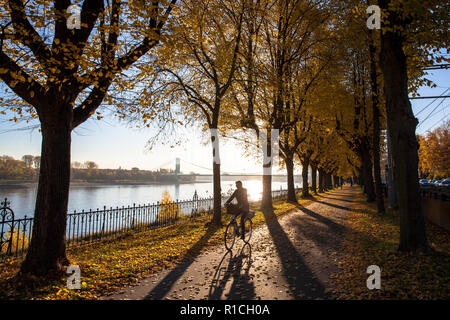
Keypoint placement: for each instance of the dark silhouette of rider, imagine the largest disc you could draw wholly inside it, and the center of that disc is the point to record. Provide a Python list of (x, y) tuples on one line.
[(242, 207)]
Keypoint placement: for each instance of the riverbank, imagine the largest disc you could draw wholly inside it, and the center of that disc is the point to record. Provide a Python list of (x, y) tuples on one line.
[(10, 184), (7, 184)]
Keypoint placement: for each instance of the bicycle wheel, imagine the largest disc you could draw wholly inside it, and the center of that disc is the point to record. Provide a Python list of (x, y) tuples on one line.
[(248, 230), (230, 235)]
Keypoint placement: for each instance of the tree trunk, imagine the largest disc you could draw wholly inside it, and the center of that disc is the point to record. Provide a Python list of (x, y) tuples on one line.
[(217, 204), (305, 187), (290, 179), (361, 179), (321, 179), (392, 189), (266, 200), (401, 127), (367, 174), (377, 170), (314, 178), (376, 126), (47, 249), (217, 213), (329, 181)]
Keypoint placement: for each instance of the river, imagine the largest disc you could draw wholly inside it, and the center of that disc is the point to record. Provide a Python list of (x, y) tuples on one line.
[(93, 196)]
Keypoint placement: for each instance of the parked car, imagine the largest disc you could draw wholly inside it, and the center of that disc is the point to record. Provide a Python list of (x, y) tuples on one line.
[(444, 183), (436, 182), (424, 182)]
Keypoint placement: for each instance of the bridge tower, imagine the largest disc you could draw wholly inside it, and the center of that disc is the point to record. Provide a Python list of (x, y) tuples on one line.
[(177, 166)]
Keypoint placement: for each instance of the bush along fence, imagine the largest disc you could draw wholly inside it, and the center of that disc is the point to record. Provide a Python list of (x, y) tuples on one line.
[(94, 225)]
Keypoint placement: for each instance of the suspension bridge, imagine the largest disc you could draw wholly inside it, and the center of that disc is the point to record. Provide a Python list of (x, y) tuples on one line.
[(173, 167)]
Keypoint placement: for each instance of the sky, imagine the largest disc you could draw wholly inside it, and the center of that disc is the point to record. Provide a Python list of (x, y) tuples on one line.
[(114, 144), (430, 112)]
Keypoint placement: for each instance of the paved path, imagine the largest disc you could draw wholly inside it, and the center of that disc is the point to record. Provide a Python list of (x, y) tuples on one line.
[(290, 258)]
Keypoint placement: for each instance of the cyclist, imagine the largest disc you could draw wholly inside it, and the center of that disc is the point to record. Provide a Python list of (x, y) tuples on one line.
[(242, 208)]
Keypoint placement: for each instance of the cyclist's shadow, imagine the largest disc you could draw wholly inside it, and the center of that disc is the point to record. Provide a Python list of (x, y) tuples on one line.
[(234, 269)]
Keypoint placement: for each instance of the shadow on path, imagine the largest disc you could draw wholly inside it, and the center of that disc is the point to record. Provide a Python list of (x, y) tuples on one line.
[(325, 228), (164, 286), (322, 231), (302, 282), (335, 205), (340, 199), (238, 268), (334, 226)]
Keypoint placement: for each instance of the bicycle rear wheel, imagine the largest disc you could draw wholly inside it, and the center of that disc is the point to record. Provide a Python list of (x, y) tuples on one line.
[(230, 235), (248, 230)]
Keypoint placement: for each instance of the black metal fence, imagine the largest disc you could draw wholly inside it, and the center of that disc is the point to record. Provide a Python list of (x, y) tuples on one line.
[(94, 225), (435, 192)]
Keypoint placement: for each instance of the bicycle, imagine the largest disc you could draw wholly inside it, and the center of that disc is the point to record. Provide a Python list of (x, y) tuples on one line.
[(233, 229)]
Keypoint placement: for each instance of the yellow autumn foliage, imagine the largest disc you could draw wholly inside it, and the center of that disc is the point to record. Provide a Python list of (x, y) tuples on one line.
[(19, 241), (169, 210)]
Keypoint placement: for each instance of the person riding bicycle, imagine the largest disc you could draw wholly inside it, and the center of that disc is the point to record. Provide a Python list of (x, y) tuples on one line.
[(242, 208)]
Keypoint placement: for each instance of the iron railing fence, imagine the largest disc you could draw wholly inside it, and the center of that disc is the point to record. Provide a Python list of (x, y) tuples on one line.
[(95, 225)]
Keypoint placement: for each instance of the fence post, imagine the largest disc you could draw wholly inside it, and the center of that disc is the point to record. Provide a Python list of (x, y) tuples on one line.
[(24, 232), (7, 216), (157, 213), (103, 224), (195, 203)]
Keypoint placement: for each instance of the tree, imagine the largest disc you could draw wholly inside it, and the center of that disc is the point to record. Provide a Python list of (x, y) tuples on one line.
[(15, 169), (376, 114), (304, 155), (352, 117), (37, 162), (61, 75), (77, 165), (296, 50), (197, 68), (90, 165), (367, 44), (28, 159), (286, 45), (311, 150), (243, 111), (434, 152), (170, 211), (405, 23)]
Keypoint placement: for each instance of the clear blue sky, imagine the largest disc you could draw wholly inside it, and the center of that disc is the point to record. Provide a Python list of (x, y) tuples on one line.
[(432, 113), (112, 144)]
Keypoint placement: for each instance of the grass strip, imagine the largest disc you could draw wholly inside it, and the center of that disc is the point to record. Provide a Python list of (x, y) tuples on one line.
[(372, 239)]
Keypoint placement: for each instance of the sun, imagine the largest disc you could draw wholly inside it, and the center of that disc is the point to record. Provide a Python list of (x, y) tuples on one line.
[(254, 189)]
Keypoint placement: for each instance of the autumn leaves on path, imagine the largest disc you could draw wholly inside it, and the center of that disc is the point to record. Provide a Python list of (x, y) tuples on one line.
[(293, 257)]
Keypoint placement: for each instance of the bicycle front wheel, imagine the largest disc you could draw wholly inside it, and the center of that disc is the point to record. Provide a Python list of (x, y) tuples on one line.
[(230, 235)]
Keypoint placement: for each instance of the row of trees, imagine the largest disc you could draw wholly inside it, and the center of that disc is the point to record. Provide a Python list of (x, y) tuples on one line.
[(332, 87), (25, 169), (90, 173), (310, 69), (434, 153)]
